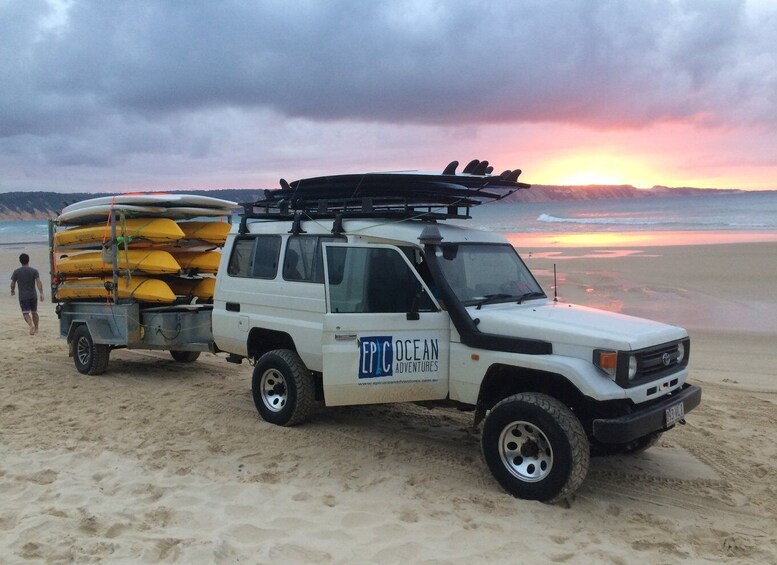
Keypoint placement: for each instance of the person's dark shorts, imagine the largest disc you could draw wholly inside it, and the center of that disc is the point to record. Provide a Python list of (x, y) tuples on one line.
[(29, 305)]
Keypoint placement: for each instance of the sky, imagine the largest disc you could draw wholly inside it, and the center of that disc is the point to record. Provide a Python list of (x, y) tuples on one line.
[(114, 96)]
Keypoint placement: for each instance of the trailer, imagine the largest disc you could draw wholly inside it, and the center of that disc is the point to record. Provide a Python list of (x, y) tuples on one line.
[(93, 327), (93, 330)]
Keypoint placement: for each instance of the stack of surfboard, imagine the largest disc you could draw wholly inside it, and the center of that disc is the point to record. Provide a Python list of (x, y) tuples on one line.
[(163, 248)]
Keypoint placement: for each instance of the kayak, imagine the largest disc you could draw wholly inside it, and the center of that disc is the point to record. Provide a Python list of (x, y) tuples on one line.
[(201, 261), (151, 261), (162, 230), (141, 289)]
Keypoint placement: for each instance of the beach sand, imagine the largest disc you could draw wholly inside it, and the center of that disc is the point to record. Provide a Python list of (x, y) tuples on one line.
[(156, 461)]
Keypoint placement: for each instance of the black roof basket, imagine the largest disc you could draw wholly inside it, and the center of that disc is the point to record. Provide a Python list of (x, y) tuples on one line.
[(398, 195)]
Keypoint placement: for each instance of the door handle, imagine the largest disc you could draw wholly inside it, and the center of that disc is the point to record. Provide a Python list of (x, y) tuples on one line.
[(232, 307), (345, 337)]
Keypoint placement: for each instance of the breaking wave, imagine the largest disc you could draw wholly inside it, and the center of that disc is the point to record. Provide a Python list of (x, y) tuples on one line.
[(633, 221)]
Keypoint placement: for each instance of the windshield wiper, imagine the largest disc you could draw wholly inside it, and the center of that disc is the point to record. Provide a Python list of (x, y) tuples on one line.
[(489, 298), (530, 295)]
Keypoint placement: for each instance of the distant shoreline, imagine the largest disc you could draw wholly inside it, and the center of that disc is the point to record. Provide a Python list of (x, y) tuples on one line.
[(31, 242), (24, 206)]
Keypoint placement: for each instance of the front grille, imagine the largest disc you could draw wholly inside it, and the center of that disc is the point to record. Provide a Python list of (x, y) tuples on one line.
[(653, 362), (657, 361)]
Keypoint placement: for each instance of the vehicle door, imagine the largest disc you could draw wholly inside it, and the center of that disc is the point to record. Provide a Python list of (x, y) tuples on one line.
[(386, 339)]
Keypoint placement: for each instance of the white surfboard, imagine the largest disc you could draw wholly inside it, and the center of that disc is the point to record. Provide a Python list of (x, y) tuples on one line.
[(167, 200), (91, 214), (189, 212)]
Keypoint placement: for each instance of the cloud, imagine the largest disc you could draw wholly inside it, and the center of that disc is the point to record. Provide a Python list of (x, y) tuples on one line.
[(596, 63), (97, 83)]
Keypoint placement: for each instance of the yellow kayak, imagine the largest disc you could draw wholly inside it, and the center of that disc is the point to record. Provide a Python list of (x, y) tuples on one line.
[(141, 289), (212, 232), (151, 261), (163, 230), (199, 288), (202, 261)]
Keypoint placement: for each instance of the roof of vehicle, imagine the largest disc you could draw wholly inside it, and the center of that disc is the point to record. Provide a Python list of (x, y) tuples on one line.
[(374, 230)]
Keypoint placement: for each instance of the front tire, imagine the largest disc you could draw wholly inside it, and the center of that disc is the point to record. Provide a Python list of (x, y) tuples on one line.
[(283, 388), (535, 447), (89, 358)]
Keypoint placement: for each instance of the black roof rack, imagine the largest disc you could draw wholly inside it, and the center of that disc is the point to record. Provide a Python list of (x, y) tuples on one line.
[(386, 195)]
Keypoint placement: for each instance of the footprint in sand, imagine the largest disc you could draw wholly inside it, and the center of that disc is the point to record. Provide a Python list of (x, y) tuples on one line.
[(45, 477)]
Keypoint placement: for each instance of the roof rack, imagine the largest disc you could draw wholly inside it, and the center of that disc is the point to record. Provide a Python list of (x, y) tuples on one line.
[(398, 195)]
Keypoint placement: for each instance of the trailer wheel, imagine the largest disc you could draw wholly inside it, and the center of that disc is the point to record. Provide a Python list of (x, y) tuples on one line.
[(283, 388), (89, 358), (184, 356), (535, 447)]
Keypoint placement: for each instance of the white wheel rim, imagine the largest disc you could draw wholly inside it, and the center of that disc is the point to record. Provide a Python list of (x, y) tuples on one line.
[(273, 390), (525, 451)]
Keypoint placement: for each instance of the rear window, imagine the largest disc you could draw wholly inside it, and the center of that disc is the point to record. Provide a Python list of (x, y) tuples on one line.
[(304, 258), (255, 257)]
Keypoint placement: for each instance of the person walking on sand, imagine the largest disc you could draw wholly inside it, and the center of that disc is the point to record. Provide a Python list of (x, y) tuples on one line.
[(28, 278)]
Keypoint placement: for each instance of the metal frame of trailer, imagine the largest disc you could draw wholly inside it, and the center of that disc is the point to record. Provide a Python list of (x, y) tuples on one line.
[(179, 328), (114, 323)]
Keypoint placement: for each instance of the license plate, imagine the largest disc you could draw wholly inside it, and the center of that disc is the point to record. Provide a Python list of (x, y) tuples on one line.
[(674, 414)]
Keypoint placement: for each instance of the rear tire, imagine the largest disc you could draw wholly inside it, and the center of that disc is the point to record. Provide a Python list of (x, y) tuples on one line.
[(283, 388), (535, 447), (89, 358), (184, 356)]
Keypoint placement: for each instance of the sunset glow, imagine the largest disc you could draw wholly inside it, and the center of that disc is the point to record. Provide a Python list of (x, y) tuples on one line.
[(592, 169), (636, 96), (595, 240)]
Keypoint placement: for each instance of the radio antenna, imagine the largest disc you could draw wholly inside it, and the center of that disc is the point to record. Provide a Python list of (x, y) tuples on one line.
[(555, 284)]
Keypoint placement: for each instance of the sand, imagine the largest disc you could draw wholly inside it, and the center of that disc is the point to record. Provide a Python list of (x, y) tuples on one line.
[(163, 462)]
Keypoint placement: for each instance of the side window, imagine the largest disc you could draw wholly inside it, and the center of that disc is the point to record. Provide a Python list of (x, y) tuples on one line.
[(304, 258), (373, 280), (240, 261), (255, 257)]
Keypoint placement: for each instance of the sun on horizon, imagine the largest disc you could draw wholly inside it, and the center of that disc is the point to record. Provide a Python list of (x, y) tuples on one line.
[(601, 168), (594, 169)]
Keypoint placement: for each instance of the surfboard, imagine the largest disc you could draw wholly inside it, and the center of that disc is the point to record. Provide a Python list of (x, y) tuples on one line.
[(202, 261), (141, 289), (212, 232), (199, 288), (93, 214), (97, 213), (183, 212), (161, 199), (150, 261), (163, 230)]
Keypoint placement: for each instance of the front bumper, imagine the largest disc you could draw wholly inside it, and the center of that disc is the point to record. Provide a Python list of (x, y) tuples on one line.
[(643, 422)]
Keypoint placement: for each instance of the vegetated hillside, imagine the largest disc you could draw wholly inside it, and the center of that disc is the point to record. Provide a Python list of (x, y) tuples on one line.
[(551, 193), (41, 205)]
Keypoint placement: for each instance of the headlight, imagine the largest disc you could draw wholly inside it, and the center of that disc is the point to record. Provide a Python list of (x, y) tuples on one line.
[(632, 367), (680, 352)]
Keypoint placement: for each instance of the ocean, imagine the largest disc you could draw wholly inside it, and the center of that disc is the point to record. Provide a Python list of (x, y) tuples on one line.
[(755, 211), (18, 232), (740, 214)]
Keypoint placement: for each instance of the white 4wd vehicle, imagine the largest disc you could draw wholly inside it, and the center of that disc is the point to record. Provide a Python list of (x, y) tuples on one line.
[(353, 289)]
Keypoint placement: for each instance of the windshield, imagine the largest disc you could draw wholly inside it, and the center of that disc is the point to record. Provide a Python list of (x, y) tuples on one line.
[(486, 273)]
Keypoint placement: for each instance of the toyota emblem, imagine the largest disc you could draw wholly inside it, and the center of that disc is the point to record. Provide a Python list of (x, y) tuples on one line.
[(666, 359)]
